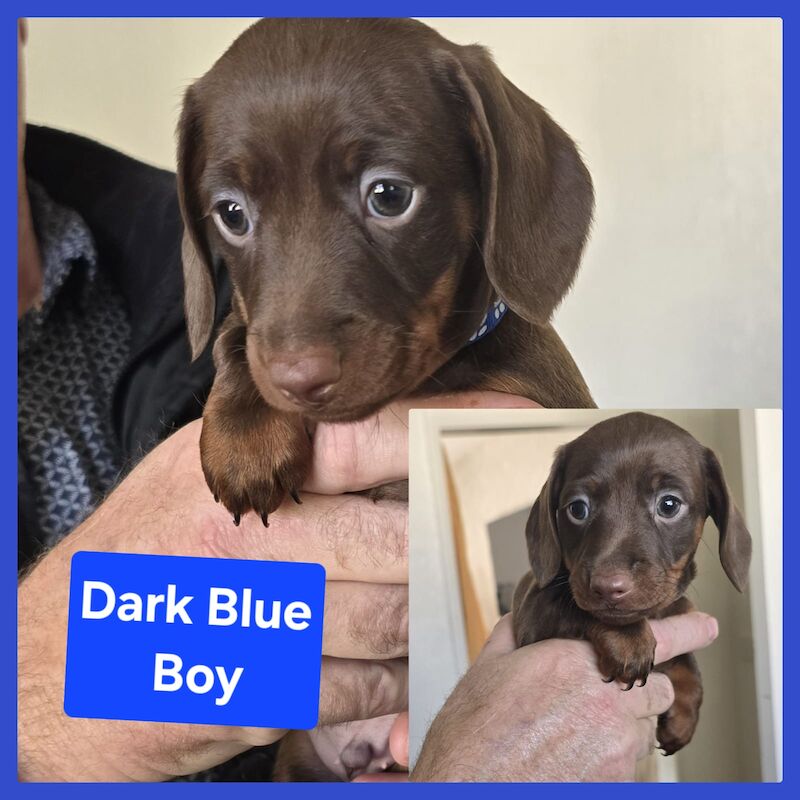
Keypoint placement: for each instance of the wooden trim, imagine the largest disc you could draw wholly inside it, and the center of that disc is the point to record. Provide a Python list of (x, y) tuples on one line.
[(475, 623)]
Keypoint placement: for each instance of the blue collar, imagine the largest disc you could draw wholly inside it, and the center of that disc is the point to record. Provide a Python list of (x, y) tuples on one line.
[(490, 321)]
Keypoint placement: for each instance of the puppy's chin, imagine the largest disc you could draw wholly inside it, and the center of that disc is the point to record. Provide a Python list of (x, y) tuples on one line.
[(624, 613), (619, 617), (627, 613), (326, 412), (342, 403)]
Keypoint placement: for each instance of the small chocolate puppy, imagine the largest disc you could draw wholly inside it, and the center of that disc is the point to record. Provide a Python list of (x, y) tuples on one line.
[(373, 191), (611, 541)]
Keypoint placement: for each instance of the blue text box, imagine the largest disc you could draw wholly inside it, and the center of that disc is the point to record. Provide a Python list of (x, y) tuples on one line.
[(261, 670)]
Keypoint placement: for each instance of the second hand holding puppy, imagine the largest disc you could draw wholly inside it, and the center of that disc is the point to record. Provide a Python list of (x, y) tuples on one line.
[(542, 713)]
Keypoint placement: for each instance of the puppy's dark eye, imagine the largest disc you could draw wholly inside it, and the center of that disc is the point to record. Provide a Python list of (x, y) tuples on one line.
[(668, 506), (389, 198), (233, 217), (578, 510)]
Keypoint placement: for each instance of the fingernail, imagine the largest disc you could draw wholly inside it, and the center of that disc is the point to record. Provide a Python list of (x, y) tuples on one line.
[(713, 628)]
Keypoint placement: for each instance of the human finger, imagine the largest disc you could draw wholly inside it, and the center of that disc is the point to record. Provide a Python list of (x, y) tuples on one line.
[(650, 700), (352, 537), (683, 633), (501, 639), (365, 620), (354, 689), (398, 739), (645, 736)]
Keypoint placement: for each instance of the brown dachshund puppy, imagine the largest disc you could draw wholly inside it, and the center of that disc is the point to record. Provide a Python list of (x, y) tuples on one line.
[(372, 189), (611, 542)]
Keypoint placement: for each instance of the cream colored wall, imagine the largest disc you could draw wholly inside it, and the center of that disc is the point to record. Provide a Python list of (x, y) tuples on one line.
[(121, 80), (678, 301)]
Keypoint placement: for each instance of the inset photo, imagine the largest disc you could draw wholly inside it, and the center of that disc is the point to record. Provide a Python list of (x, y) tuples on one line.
[(595, 593)]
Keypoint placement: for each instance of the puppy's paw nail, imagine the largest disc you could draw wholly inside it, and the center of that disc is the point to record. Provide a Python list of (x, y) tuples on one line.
[(237, 518), (265, 519), (643, 681), (629, 686), (608, 680), (216, 498), (295, 496)]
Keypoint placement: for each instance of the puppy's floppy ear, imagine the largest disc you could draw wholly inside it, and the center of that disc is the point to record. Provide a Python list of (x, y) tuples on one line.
[(199, 294), (537, 193), (735, 545), (541, 532)]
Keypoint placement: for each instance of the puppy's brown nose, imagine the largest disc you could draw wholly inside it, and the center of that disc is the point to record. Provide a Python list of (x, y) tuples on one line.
[(611, 587), (306, 376)]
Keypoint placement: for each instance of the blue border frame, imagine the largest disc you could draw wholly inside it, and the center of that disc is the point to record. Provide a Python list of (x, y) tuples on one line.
[(426, 8)]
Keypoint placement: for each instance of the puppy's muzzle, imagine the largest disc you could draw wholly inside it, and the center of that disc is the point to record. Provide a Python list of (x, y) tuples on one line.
[(611, 587), (306, 377)]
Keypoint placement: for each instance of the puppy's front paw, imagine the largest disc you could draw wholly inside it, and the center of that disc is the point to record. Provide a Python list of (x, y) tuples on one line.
[(252, 460), (626, 653)]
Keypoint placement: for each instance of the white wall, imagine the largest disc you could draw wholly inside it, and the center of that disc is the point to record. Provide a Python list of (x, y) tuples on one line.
[(678, 301), (762, 456), (121, 81)]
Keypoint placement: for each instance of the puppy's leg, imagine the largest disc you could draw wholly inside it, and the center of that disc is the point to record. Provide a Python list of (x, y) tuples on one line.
[(677, 725), (548, 613), (253, 455), (390, 491), (524, 618)]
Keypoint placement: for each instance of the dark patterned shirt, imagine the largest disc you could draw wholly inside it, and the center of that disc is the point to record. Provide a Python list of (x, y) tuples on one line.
[(71, 353)]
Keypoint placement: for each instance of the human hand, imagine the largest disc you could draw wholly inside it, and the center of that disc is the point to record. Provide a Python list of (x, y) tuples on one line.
[(544, 713), (164, 507)]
